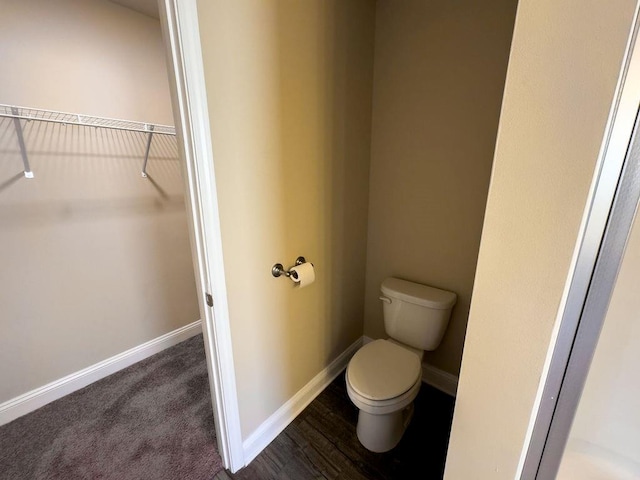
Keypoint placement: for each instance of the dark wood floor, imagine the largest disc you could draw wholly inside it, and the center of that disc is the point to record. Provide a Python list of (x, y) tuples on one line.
[(321, 443)]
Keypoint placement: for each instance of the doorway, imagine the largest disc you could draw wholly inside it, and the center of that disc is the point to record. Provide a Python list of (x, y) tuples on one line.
[(97, 253)]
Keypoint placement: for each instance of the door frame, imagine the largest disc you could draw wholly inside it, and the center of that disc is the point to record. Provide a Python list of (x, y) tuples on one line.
[(179, 20), (603, 235)]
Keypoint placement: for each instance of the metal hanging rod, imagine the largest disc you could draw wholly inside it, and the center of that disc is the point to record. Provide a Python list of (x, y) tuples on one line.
[(29, 114)]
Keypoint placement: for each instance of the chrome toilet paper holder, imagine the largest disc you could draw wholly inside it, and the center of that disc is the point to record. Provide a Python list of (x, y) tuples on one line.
[(278, 270)]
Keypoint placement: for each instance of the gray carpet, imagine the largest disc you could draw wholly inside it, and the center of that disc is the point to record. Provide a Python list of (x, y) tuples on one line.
[(152, 420)]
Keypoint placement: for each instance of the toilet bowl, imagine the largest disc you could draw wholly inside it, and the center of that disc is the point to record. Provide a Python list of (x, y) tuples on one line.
[(384, 377)]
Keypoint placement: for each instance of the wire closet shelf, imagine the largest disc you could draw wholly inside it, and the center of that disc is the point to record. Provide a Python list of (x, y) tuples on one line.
[(29, 114), (66, 118)]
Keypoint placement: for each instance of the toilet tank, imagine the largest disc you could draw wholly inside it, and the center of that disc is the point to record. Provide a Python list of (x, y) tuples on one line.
[(415, 314)]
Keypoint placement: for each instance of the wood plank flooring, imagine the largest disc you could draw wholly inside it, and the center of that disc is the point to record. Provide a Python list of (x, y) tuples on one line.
[(321, 443)]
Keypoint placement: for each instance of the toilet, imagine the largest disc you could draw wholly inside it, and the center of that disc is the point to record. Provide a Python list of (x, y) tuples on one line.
[(384, 376)]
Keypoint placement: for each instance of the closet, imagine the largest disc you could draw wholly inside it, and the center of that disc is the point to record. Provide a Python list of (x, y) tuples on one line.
[(95, 257)]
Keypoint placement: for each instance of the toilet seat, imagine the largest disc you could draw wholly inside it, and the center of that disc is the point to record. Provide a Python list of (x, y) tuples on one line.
[(383, 407), (383, 377), (382, 370)]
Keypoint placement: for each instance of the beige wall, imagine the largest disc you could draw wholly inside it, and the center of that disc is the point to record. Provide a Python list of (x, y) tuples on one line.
[(289, 93), (607, 422), (563, 68), (439, 74), (84, 56), (95, 259)]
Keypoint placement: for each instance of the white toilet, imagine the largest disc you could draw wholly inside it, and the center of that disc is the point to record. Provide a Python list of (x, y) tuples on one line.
[(384, 376)]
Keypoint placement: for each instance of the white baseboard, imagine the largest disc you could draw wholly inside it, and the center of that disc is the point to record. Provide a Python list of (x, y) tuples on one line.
[(30, 401), (443, 381), (276, 423)]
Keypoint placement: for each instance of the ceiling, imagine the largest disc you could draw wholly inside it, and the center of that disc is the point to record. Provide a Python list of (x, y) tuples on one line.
[(146, 7)]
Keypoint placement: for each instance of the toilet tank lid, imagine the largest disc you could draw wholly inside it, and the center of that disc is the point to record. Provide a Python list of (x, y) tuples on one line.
[(418, 294)]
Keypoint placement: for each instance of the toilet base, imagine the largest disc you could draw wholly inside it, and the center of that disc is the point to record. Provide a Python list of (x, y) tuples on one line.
[(380, 433)]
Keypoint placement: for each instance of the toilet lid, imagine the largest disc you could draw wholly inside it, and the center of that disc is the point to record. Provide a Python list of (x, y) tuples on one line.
[(382, 370)]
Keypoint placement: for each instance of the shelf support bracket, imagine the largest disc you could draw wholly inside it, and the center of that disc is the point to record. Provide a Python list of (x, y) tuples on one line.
[(146, 153), (23, 150)]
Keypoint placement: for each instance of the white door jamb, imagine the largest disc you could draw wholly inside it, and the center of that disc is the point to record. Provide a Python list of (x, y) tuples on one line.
[(179, 21)]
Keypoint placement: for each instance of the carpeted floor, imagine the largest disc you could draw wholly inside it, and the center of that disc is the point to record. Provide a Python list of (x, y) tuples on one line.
[(152, 420)]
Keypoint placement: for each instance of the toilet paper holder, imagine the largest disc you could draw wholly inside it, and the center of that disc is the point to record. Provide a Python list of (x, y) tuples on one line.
[(278, 270)]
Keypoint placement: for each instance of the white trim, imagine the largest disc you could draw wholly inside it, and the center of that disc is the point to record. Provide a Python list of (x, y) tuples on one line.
[(444, 381), (30, 401), (277, 422), (179, 20)]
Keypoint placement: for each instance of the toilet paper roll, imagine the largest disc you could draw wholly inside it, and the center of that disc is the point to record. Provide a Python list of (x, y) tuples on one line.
[(303, 274)]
